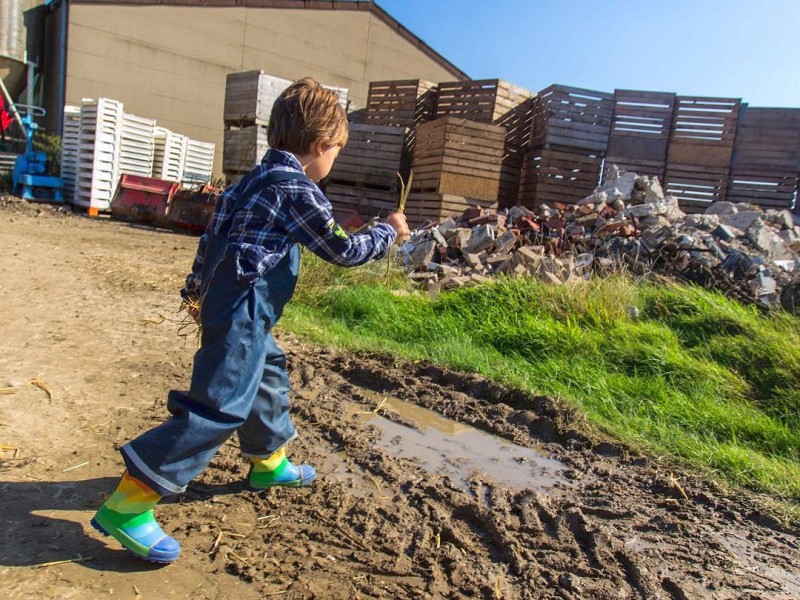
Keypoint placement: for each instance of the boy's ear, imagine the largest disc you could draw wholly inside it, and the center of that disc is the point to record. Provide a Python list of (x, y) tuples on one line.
[(318, 148)]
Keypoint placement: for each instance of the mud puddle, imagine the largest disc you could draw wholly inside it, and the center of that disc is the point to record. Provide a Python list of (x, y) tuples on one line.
[(457, 450)]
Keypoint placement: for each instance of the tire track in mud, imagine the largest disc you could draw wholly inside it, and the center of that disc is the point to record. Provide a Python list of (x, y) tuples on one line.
[(379, 526)]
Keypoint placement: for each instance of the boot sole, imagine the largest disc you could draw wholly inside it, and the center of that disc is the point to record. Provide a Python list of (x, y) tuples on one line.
[(153, 559)]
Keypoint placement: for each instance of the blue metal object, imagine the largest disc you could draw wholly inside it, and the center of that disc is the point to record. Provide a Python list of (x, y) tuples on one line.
[(29, 178)]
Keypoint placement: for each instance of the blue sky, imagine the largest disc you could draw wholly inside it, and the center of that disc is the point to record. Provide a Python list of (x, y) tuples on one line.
[(735, 48)]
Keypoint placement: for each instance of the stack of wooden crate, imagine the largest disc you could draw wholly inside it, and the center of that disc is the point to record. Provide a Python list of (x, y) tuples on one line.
[(640, 129), (364, 176), (570, 130), (249, 97), (402, 103), (456, 164), (700, 150), (497, 102), (766, 157)]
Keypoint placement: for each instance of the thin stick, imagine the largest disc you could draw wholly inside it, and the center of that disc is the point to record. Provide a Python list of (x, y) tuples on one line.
[(63, 562), (8, 390)]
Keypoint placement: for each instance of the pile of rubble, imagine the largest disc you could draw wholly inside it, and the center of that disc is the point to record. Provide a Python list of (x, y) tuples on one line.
[(628, 224)]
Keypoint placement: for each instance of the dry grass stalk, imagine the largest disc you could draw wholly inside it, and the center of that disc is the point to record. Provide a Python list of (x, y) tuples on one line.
[(37, 381), (63, 562), (83, 464), (677, 486), (405, 189), (7, 391), (188, 323), (237, 557)]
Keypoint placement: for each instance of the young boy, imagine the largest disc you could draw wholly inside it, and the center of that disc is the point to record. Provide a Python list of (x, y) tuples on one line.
[(244, 273)]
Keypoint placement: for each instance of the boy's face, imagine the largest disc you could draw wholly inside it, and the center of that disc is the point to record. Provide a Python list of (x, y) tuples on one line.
[(319, 167)]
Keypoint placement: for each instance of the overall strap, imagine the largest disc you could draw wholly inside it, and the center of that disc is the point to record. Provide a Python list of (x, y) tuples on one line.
[(278, 176)]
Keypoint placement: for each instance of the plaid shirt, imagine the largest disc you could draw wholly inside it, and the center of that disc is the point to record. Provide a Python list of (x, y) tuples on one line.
[(263, 221)]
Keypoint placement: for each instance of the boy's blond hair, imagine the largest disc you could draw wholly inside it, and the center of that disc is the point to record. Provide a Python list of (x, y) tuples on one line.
[(306, 113)]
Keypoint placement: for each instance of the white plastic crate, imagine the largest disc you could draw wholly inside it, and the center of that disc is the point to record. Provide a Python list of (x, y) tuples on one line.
[(199, 163), (137, 145), (99, 142), (69, 149), (169, 155)]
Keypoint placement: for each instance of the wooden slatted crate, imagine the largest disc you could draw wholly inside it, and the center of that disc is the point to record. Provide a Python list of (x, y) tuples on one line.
[(430, 206), (484, 100), (517, 123), (767, 138), (243, 148), (367, 202), (570, 117), (769, 189), (696, 187), (249, 97), (551, 175), (400, 103), (703, 131), (371, 157), (640, 128), (458, 157)]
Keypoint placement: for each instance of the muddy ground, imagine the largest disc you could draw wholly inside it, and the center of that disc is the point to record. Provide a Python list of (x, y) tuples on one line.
[(80, 302)]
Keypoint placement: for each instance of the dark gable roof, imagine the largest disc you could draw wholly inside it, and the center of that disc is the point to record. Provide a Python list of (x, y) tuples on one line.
[(359, 5)]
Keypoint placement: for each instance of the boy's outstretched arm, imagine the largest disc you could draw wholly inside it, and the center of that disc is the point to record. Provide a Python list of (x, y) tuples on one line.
[(310, 221)]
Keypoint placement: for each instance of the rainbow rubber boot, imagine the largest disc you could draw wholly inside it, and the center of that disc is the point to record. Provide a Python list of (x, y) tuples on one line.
[(277, 470), (127, 516)]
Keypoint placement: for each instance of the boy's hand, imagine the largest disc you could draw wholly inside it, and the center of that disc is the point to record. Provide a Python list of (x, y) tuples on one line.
[(398, 221)]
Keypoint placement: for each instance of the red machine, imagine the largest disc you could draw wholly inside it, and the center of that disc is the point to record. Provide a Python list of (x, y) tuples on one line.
[(143, 200), (151, 201)]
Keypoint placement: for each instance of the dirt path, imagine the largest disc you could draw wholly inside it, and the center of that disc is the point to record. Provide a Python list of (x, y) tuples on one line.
[(399, 511)]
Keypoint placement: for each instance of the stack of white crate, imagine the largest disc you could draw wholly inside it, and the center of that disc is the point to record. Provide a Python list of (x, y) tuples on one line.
[(137, 145), (169, 155), (199, 162), (69, 149), (97, 171)]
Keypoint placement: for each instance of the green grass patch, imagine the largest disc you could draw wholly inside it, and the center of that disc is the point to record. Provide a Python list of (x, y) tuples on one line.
[(695, 376)]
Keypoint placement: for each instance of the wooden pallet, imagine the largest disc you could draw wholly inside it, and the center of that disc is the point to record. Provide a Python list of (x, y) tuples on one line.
[(696, 187), (428, 206), (367, 202), (703, 131), (484, 100), (767, 139), (372, 156), (640, 129), (558, 175), (459, 157), (573, 118), (243, 148), (517, 123), (770, 189)]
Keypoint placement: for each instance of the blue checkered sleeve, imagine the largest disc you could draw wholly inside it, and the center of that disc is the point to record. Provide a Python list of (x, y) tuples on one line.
[(310, 221)]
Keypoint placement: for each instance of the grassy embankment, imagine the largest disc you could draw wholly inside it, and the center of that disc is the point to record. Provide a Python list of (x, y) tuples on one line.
[(694, 376)]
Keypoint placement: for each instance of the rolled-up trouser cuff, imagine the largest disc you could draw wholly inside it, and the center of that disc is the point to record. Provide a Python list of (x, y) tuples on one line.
[(270, 453), (137, 467)]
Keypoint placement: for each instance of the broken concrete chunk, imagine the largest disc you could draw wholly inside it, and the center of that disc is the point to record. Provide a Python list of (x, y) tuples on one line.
[(482, 238), (722, 209), (420, 256), (505, 242), (741, 220)]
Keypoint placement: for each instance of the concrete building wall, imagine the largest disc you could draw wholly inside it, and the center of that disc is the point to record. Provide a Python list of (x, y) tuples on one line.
[(170, 62)]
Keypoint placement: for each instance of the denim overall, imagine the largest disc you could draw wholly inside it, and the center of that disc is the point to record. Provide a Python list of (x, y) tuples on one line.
[(239, 379)]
